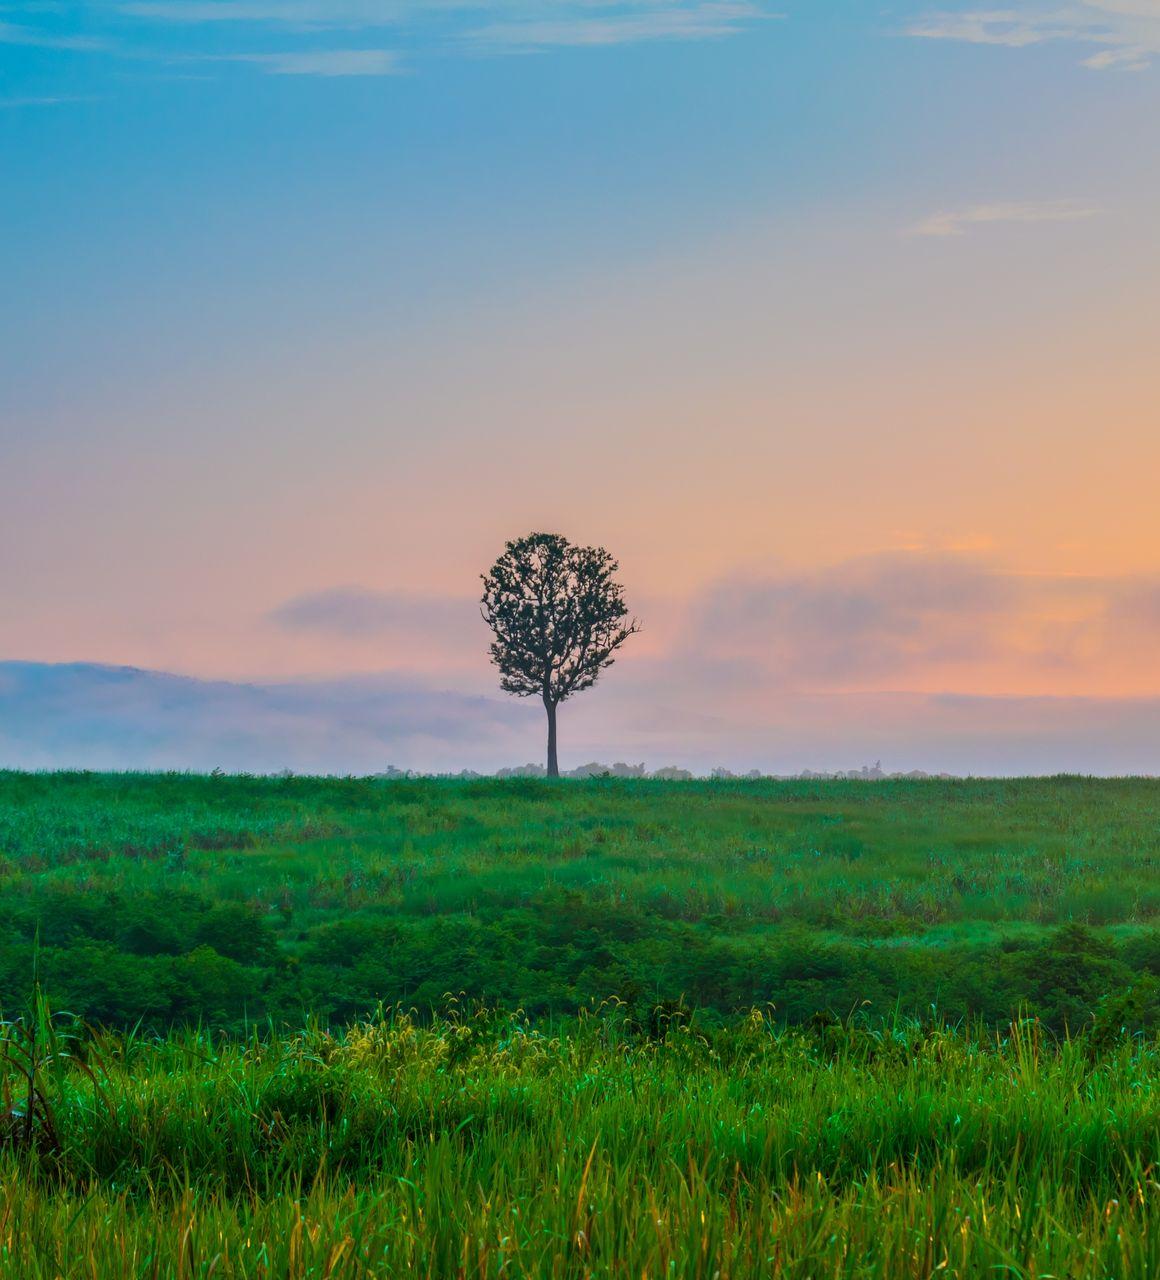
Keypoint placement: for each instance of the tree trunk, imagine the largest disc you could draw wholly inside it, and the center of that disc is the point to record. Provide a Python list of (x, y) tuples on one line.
[(553, 763)]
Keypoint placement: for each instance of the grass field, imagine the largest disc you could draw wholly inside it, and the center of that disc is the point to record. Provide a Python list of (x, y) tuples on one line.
[(480, 1146), (233, 900), (900, 1029)]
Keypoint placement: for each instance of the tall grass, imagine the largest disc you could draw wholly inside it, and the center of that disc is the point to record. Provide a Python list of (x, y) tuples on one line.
[(481, 1146)]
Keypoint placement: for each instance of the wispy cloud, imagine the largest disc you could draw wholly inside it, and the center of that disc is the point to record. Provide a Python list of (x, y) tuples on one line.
[(957, 222), (508, 26), (34, 37), (680, 22), (292, 13), (1127, 58), (405, 628), (357, 611), (994, 26), (7, 104), (888, 615), (480, 26), (909, 620), (322, 62), (1126, 32)]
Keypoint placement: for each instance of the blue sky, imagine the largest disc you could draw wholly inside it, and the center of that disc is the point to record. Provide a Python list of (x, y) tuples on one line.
[(314, 301), (285, 168)]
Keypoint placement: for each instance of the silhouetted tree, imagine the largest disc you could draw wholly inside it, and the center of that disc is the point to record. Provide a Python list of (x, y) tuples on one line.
[(558, 617)]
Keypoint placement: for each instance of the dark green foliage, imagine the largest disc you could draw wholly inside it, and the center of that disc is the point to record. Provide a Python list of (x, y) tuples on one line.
[(557, 616), (238, 931), (1131, 1011)]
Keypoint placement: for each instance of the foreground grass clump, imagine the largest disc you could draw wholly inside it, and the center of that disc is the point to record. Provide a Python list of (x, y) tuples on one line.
[(224, 900), (481, 1146)]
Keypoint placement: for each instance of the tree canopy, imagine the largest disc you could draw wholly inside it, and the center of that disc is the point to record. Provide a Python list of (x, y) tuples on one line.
[(558, 616)]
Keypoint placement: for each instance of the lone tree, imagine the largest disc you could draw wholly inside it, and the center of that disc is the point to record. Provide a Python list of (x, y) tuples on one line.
[(558, 617)]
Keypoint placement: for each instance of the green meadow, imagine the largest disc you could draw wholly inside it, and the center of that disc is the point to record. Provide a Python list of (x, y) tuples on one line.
[(232, 902), (272, 1027)]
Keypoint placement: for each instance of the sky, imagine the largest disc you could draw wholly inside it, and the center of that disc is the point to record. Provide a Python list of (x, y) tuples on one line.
[(835, 322)]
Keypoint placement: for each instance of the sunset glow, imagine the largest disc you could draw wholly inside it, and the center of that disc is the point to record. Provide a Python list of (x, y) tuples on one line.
[(838, 327)]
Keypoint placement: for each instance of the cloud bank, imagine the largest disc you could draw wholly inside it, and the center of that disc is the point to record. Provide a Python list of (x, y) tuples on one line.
[(82, 716), (902, 620), (922, 620), (935, 660)]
